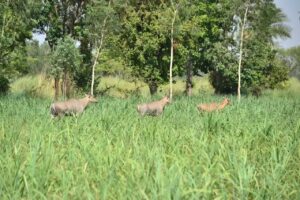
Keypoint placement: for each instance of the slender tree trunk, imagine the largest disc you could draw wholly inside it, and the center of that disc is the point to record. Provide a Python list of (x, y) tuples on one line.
[(93, 71), (98, 52), (171, 57), (56, 87), (64, 86), (189, 77), (241, 55), (68, 85)]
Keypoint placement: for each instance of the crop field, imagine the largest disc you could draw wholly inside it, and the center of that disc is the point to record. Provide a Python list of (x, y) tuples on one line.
[(248, 150)]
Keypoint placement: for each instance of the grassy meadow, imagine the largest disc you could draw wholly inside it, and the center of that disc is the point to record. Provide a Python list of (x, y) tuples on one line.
[(249, 150)]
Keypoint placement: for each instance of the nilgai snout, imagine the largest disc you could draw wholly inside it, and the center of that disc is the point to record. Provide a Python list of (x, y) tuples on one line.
[(213, 106), (154, 108), (72, 106)]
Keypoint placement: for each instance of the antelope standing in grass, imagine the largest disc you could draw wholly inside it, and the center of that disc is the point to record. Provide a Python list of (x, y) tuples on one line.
[(154, 108), (213, 106), (72, 106)]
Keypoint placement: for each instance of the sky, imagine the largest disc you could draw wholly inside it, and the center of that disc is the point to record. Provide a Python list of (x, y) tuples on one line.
[(291, 8)]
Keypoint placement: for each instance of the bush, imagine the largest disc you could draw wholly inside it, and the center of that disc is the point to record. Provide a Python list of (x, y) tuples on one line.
[(35, 86), (4, 85), (260, 70)]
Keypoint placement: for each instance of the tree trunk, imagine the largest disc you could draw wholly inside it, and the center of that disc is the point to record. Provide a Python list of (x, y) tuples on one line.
[(64, 84), (241, 55), (153, 87), (98, 52), (189, 77), (68, 85), (93, 70), (171, 57), (56, 87)]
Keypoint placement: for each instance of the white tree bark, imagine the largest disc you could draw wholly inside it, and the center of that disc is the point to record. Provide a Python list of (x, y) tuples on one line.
[(241, 55), (171, 57), (98, 52)]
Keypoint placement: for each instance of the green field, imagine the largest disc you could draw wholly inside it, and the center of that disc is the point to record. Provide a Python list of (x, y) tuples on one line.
[(248, 151)]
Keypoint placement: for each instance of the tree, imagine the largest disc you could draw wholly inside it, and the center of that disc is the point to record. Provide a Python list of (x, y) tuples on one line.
[(199, 31), (65, 60), (145, 42), (57, 19), (16, 23), (37, 57), (174, 9), (241, 51), (264, 23), (101, 22), (291, 57)]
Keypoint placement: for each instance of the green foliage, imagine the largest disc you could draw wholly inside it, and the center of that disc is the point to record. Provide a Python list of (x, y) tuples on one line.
[(66, 57), (199, 29), (101, 18), (134, 37), (260, 69), (101, 25), (16, 24), (38, 57), (247, 151), (113, 66), (224, 77), (57, 19), (268, 23), (291, 57), (145, 43)]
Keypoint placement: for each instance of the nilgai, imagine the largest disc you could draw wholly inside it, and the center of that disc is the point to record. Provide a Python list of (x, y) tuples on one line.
[(154, 108), (72, 106), (213, 106)]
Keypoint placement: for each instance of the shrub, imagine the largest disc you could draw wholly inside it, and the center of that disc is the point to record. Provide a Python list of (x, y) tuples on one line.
[(260, 70), (35, 86)]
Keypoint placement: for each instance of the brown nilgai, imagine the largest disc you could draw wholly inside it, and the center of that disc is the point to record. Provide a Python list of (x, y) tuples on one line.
[(71, 107)]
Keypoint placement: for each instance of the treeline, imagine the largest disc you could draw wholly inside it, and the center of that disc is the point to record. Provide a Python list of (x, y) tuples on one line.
[(135, 39)]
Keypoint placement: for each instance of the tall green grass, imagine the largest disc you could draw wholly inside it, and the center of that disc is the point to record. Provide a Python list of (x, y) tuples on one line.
[(248, 151)]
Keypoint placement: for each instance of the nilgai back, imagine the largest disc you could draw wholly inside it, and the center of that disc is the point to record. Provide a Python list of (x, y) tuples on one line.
[(72, 106), (154, 108)]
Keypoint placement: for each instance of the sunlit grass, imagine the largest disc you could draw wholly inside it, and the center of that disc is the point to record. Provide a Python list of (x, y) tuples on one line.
[(34, 85), (247, 151), (43, 87)]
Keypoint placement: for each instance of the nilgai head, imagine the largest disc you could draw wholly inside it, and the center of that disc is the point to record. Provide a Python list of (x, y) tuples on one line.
[(226, 101), (166, 100), (90, 98)]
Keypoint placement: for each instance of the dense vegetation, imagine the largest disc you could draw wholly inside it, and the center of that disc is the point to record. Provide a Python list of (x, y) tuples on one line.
[(248, 151), (132, 40), (125, 49)]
